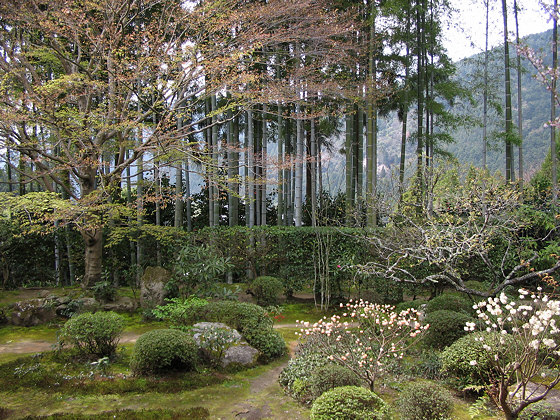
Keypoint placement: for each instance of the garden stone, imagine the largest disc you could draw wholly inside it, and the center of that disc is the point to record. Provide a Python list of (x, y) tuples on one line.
[(200, 327), (124, 304), (152, 287), (32, 312), (243, 355), (88, 305)]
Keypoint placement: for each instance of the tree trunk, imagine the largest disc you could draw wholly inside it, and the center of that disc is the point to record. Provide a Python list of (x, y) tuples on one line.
[(519, 97), (249, 194), (420, 106), (485, 94), (510, 177), (178, 219), (371, 149), (264, 164), (298, 199), (313, 162), (281, 133), (553, 156), (349, 169), (93, 241)]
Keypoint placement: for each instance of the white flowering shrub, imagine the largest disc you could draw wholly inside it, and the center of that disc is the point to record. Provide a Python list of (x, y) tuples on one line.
[(367, 338), (532, 323)]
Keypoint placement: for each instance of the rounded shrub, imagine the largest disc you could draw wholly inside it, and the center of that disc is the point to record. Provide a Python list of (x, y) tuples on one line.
[(93, 333), (250, 320), (467, 359), (541, 410), (450, 302), (349, 403), (267, 290), (425, 401), (295, 378), (331, 376), (268, 341), (164, 350), (446, 327)]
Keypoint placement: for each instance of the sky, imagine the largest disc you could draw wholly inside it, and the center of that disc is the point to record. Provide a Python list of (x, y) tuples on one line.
[(465, 34)]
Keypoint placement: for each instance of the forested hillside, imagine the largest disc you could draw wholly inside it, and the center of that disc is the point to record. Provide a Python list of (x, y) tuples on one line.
[(467, 144)]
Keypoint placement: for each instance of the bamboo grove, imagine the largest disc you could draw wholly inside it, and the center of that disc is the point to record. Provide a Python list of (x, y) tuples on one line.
[(114, 107)]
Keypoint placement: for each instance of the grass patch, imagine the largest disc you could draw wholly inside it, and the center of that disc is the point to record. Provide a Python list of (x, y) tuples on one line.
[(303, 311), (45, 332), (163, 414)]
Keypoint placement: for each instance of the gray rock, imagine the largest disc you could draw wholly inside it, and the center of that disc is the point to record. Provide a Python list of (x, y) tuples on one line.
[(225, 348), (152, 287), (243, 355), (88, 305), (124, 304), (202, 327), (32, 312)]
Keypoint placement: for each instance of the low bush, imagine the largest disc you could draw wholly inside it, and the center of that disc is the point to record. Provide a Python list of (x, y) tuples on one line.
[(446, 327), (426, 364), (250, 320), (268, 341), (267, 290), (467, 359), (450, 302), (180, 312), (425, 401), (104, 291), (331, 376), (349, 403), (164, 350), (93, 333), (541, 410), (295, 378)]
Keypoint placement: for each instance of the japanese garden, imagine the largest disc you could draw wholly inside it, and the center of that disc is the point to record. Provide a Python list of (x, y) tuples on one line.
[(278, 209)]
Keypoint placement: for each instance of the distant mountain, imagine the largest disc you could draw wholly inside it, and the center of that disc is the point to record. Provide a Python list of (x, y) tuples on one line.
[(535, 108), (467, 147)]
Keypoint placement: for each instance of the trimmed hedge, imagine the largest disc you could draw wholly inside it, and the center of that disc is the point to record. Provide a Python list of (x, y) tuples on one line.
[(450, 302), (456, 359), (267, 290), (164, 350), (425, 401), (349, 403), (446, 327), (94, 334), (250, 320), (331, 376)]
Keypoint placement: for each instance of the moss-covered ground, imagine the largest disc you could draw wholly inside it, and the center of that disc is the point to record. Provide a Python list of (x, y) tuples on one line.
[(62, 386)]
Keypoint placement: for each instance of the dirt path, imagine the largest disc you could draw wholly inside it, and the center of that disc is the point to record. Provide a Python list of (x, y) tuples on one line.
[(38, 346), (259, 398)]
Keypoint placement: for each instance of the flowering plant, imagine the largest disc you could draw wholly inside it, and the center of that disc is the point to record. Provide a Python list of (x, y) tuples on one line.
[(366, 338), (532, 323)]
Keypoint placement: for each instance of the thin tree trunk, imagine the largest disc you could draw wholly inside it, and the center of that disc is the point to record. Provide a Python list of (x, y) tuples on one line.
[(420, 105), (349, 169), (215, 163), (281, 203), (485, 95), (553, 155), (188, 203), (371, 149), (519, 99), (298, 200), (313, 162), (178, 220), (264, 159), (510, 177), (405, 107), (250, 197)]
